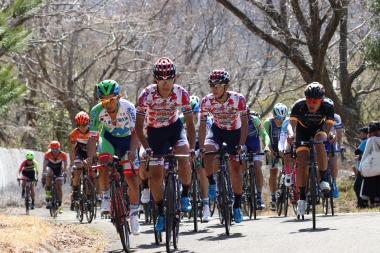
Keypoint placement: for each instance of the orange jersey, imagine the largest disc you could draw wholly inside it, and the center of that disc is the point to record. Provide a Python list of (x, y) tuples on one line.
[(55, 163), (79, 138)]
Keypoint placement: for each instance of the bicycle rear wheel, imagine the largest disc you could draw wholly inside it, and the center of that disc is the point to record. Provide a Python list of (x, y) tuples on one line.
[(27, 197), (252, 193), (157, 236), (177, 214), (194, 202), (88, 198), (169, 212), (120, 216), (225, 203)]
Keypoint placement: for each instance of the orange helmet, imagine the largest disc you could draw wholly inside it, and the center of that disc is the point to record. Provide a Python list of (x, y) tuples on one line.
[(82, 118), (54, 145)]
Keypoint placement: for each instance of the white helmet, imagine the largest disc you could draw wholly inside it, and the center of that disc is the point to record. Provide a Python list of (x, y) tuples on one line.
[(195, 98), (329, 100), (280, 111)]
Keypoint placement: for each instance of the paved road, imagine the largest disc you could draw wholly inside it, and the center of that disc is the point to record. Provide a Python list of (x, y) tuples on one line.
[(357, 232)]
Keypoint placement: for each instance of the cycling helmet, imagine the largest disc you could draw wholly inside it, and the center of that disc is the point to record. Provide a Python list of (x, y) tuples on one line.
[(195, 98), (82, 118), (374, 126), (329, 100), (315, 90), (164, 69), (219, 75), (254, 113), (280, 111), (194, 106), (107, 87), (29, 155), (54, 145)]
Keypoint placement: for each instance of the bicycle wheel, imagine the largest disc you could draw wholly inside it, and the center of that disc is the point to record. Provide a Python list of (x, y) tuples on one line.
[(169, 206), (88, 200), (79, 207), (225, 203), (286, 200), (177, 214), (147, 212), (157, 236), (212, 205), (252, 193), (27, 197), (279, 193), (120, 220), (313, 193), (53, 201), (194, 202)]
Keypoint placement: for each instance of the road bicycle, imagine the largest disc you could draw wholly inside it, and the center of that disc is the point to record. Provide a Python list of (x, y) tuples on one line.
[(84, 204), (282, 191), (172, 199), (28, 186), (327, 198), (225, 195), (119, 206), (53, 200), (195, 199)]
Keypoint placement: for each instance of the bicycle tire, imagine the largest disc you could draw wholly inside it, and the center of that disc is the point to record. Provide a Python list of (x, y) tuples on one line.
[(169, 207), (79, 203), (313, 185), (177, 216), (27, 196), (225, 204), (252, 190), (88, 202), (286, 200), (212, 205), (279, 200), (157, 235), (120, 220), (53, 201), (194, 202)]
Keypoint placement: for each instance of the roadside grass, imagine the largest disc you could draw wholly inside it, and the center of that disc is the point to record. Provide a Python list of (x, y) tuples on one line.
[(29, 234)]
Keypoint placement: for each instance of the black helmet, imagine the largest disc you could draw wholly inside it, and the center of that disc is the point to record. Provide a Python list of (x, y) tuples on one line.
[(374, 126), (315, 90)]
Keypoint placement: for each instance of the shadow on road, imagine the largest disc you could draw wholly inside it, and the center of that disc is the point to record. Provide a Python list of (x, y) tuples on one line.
[(222, 237)]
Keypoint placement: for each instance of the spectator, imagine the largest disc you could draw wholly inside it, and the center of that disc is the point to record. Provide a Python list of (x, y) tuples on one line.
[(371, 185), (358, 155)]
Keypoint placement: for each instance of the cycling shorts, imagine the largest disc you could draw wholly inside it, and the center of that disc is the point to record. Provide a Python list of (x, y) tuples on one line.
[(80, 155), (216, 136), (30, 174), (254, 145), (173, 135), (304, 134)]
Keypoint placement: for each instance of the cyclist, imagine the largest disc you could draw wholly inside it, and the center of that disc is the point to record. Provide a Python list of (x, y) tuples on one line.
[(28, 169), (334, 159), (117, 118), (55, 161), (313, 117), (159, 103), (359, 178), (253, 144), (230, 126), (273, 127), (194, 103), (78, 150), (283, 147)]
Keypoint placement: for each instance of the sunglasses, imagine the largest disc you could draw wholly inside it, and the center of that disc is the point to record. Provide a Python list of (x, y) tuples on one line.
[(29, 160), (280, 118), (110, 100), (313, 101), (84, 125), (55, 149), (217, 85)]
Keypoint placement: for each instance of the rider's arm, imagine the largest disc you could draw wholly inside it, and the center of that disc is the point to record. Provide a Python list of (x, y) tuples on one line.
[(190, 127), (244, 131), (21, 168), (64, 163), (266, 127), (44, 166), (339, 136), (36, 167), (140, 131), (73, 143), (94, 133), (202, 134), (263, 133)]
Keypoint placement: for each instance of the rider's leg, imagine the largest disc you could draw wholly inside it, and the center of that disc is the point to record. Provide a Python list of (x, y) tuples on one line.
[(156, 176)]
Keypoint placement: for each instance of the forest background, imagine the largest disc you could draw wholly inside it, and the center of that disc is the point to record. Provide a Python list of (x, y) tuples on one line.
[(54, 53)]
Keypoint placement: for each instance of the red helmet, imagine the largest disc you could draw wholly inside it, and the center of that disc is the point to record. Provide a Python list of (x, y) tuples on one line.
[(54, 145), (219, 75), (82, 118), (164, 69)]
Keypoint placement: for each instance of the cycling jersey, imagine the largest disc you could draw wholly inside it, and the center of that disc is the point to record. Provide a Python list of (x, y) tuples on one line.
[(337, 125), (162, 112), (306, 119), (55, 163), (226, 115), (209, 122), (28, 171), (274, 133), (255, 130), (125, 120), (79, 138), (283, 134)]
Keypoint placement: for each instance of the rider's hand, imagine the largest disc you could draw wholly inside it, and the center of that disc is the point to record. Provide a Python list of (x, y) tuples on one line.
[(342, 149), (148, 153), (281, 153), (290, 139), (332, 138), (131, 156), (241, 148), (18, 179), (192, 153), (73, 167), (266, 150), (273, 155)]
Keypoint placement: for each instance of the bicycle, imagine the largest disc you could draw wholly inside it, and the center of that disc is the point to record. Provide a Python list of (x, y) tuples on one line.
[(293, 188), (225, 196), (283, 191), (172, 200), (28, 186), (196, 200), (312, 184), (249, 194), (53, 200), (85, 202), (119, 206), (328, 196)]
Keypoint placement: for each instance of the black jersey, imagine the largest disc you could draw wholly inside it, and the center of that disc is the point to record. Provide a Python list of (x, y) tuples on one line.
[(301, 114)]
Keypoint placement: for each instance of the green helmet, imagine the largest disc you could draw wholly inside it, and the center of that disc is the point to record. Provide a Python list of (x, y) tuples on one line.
[(29, 155), (107, 87)]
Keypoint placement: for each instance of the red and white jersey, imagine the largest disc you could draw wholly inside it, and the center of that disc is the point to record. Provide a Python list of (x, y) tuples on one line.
[(162, 112), (226, 115)]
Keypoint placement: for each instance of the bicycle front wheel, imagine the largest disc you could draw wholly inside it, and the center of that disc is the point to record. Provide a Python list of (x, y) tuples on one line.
[(27, 198), (313, 192), (252, 191), (88, 200), (194, 202), (286, 200), (157, 235), (169, 212), (53, 201), (120, 217), (225, 203)]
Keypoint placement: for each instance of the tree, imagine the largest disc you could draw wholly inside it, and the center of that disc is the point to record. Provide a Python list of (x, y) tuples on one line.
[(307, 33)]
